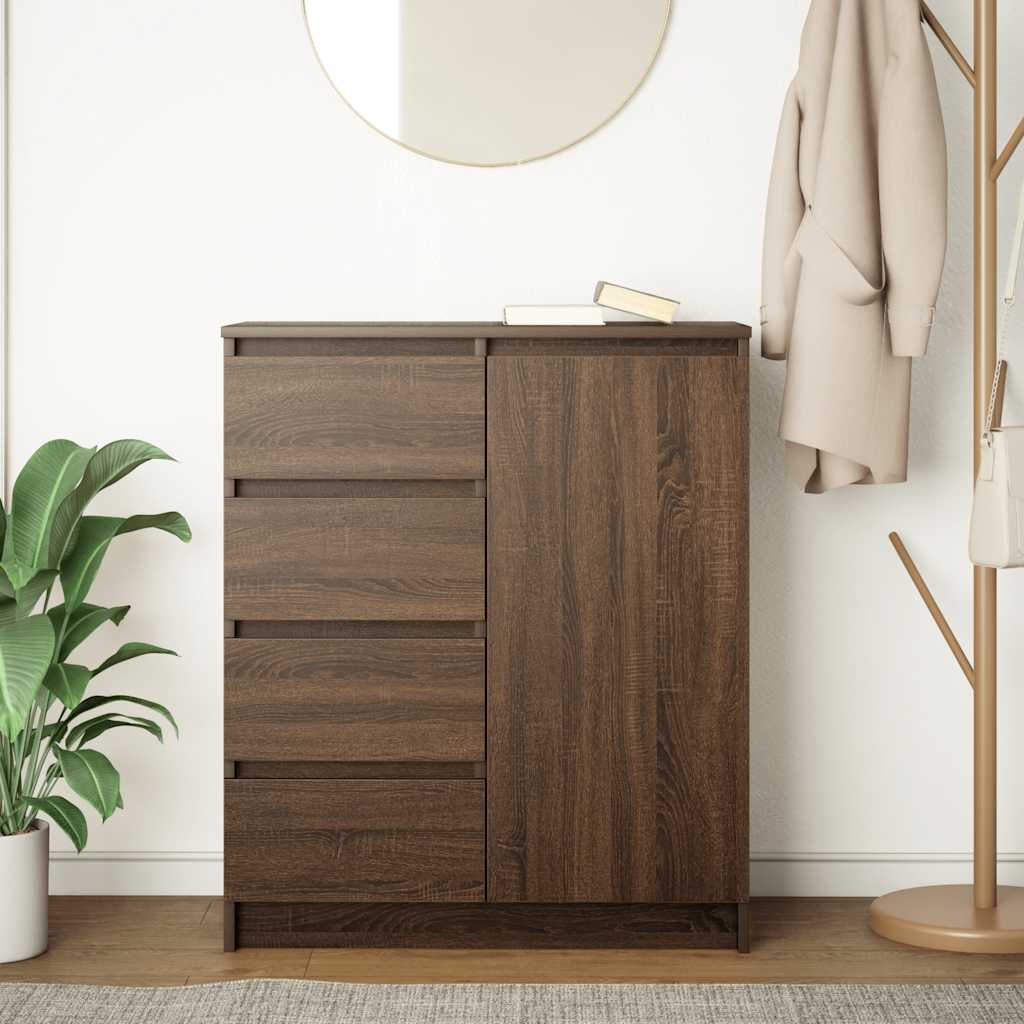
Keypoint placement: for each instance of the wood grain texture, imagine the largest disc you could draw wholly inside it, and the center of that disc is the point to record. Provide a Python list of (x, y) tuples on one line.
[(359, 770), (571, 708), (364, 559), (428, 331), (349, 418), (367, 841), (354, 700), (743, 927), (602, 788), (145, 940), (616, 728), (271, 629), (626, 346), (230, 927), (702, 630), (325, 346), (488, 926), (354, 489)]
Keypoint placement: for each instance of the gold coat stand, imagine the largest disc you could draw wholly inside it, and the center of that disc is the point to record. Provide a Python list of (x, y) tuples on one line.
[(983, 917)]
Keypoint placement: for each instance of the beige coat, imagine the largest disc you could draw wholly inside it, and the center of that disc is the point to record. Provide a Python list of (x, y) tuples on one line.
[(855, 239)]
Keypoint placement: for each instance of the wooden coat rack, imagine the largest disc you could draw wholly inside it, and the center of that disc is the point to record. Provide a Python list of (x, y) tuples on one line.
[(983, 917)]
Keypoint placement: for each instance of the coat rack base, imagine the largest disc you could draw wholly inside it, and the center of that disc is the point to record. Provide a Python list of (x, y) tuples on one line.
[(944, 917)]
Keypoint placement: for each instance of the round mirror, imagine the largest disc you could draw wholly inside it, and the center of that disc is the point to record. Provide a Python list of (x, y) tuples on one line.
[(487, 82)]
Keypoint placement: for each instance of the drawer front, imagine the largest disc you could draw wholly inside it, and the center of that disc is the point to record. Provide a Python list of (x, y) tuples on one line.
[(354, 700), (360, 559), (354, 419), (360, 841)]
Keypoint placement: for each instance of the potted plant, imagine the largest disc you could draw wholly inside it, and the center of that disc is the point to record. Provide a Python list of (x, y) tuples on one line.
[(48, 725)]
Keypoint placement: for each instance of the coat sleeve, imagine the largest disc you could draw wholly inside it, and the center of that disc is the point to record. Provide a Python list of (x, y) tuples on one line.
[(785, 213), (912, 181)]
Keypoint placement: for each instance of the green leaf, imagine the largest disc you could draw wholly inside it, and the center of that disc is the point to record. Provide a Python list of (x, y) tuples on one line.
[(56, 730), (173, 523), (65, 814), (91, 728), (67, 683), (92, 777), (79, 568), (29, 594), (110, 464), (129, 651), (83, 622), (23, 587), (90, 703), (48, 477), (120, 800), (16, 572), (26, 648)]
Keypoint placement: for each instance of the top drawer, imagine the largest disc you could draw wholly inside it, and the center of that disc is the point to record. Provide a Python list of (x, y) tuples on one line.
[(343, 418)]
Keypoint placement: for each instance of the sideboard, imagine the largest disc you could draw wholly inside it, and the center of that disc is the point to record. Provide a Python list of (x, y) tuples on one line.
[(486, 617)]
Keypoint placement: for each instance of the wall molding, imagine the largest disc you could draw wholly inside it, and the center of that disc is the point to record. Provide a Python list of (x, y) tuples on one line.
[(866, 873), (880, 858), (136, 873), (783, 873), (149, 856)]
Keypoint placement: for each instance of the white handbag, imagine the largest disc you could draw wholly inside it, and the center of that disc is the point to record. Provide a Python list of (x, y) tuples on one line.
[(997, 518)]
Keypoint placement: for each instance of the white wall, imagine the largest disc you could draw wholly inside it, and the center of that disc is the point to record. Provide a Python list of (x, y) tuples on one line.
[(180, 164)]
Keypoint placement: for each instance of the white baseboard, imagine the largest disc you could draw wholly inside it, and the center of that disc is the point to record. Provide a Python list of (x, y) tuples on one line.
[(143, 873), (153, 873), (866, 874)]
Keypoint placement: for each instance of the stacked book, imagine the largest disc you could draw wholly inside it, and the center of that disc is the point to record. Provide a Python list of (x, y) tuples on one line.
[(606, 296)]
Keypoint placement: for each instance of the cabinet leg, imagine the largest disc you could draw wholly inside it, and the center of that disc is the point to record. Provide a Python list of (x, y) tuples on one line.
[(743, 927), (230, 944)]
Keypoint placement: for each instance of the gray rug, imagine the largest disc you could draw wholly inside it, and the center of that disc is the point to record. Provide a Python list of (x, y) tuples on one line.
[(314, 1002)]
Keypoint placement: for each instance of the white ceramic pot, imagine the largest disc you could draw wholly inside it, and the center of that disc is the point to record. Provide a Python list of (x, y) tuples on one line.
[(25, 876)]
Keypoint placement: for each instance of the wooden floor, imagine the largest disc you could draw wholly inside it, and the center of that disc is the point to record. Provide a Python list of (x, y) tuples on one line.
[(174, 941)]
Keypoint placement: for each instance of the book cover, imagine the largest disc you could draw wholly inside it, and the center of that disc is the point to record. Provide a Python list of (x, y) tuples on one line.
[(629, 300)]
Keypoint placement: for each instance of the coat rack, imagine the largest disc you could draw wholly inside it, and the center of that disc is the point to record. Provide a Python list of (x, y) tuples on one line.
[(985, 917)]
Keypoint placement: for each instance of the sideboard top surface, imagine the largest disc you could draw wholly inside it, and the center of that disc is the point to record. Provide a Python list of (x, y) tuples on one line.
[(677, 332)]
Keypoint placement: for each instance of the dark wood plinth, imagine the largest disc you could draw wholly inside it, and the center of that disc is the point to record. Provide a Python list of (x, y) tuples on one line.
[(490, 926)]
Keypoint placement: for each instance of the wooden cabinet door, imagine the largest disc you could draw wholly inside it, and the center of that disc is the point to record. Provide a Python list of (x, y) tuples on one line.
[(617, 629)]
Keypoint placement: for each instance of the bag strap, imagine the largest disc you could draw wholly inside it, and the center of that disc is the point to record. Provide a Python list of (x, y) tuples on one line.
[(1009, 298)]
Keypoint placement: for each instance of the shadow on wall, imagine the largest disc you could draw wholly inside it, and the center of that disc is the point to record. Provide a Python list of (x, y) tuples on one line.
[(770, 668)]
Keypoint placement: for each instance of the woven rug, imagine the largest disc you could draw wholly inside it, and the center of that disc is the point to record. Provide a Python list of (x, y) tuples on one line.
[(314, 1002)]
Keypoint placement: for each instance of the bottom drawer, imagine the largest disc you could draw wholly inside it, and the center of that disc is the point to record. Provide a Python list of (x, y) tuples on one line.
[(354, 840)]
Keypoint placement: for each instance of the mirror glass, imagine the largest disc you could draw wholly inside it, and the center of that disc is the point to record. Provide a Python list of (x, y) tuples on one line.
[(487, 82)]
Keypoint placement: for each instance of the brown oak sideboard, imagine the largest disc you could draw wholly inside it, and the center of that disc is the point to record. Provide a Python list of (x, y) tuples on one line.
[(486, 616)]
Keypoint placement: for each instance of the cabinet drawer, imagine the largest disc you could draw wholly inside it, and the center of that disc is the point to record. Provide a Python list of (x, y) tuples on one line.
[(361, 559), (354, 419), (361, 841), (354, 700)]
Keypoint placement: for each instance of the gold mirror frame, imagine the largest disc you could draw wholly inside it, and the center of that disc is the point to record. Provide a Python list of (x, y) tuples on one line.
[(509, 163)]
